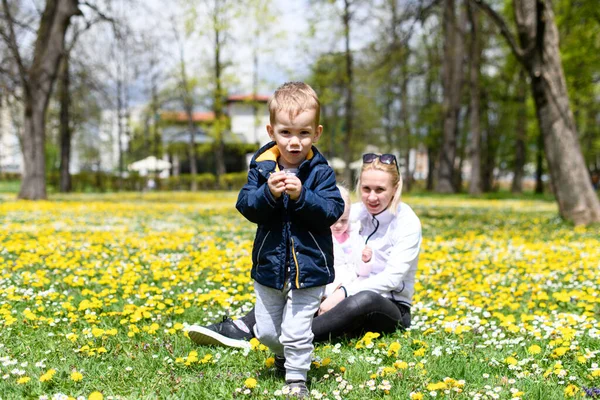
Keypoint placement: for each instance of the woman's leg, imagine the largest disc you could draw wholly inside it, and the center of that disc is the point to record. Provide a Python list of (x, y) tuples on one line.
[(358, 314), (363, 312)]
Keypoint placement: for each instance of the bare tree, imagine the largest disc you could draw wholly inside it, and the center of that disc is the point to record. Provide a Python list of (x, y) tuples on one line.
[(37, 81), (187, 98), (538, 52), (65, 101), (349, 112)]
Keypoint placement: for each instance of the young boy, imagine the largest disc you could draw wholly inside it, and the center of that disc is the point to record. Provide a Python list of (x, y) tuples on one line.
[(292, 256)]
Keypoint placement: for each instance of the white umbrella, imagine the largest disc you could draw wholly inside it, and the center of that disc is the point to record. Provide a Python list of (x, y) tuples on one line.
[(150, 164), (337, 163)]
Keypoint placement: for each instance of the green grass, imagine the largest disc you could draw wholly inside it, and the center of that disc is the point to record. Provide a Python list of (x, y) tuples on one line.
[(117, 261)]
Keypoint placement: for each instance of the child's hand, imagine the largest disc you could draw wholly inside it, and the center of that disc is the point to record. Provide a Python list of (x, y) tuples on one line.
[(367, 254), (293, 186), (276, 184)]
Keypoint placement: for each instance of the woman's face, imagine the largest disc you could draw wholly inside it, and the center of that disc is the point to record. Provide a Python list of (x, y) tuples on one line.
[(376, 190)]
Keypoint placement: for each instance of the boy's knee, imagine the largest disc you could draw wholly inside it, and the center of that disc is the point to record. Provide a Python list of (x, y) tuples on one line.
[(269, 339)]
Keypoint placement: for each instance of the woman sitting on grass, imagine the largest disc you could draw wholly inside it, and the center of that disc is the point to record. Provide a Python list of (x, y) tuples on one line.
[(378, 302)]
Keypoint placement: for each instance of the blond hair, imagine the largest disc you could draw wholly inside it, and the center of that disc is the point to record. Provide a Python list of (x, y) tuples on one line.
[(294, 97), (345, 193), (391, 169)]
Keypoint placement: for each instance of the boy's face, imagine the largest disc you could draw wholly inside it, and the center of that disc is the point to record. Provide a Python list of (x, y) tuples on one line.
[(295, 137)]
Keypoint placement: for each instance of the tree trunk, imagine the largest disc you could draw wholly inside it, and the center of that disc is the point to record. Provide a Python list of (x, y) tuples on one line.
[(404, 114), (430, 168), (521, 131), (188, 105), (539, 165), (576, 198), (475, 186), (192, 147), (120, 126), (452, 82), (349, 95), (488, 147), (65, 129), (38, 83), (219, 146), (539, 53)]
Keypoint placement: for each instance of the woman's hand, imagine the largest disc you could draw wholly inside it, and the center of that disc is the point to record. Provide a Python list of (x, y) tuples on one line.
[(367, 253), (333, 300)]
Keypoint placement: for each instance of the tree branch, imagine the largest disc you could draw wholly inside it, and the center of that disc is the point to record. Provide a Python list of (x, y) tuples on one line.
[(504, 30), (102, 16), (14, 48)]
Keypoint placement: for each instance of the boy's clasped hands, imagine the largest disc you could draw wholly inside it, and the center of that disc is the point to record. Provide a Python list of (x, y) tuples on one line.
[(280, 183)]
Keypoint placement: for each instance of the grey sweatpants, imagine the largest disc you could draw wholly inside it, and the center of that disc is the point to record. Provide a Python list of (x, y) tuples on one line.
[(284, 324)]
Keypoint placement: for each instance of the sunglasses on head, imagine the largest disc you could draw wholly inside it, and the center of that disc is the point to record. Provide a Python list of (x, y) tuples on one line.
[(387, 159)]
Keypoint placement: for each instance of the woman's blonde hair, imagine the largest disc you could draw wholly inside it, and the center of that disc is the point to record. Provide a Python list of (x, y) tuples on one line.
[(391, 169)]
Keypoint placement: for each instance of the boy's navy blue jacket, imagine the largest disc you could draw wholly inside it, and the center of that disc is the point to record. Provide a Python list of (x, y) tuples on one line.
[(295, 233)]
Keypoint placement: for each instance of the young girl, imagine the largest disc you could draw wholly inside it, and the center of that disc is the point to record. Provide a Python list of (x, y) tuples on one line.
[(348, 263)]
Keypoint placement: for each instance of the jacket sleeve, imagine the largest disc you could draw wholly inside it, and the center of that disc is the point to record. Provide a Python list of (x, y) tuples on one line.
[(404, 254), (255, 200), (321, 206)]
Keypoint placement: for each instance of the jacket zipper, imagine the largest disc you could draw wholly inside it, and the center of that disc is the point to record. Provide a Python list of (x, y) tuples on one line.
[(297, 267), (323, 254), (261, 246)]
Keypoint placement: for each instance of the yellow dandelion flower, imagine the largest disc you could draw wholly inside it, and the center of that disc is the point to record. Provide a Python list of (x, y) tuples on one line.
[(401, 364), (23, 380), (76, 376), (254, 343), (420, 352), (511, 361), (48, 375), (393, 349), (571, 390), (269, 362), (250, 383), (416, 396), (97, 332), (534, 349), (96, 396)]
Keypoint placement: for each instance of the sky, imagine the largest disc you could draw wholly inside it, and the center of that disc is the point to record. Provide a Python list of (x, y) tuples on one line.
[(287, 51), (281, 60)]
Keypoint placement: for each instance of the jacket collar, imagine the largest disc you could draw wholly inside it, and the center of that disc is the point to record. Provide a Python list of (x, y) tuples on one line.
[(269, 154), (273, 153), (385, 217)]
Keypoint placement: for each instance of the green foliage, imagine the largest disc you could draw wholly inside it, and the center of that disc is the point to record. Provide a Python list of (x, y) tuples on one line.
[(579, 28), (86, 182), (204, 181), (233, 181)]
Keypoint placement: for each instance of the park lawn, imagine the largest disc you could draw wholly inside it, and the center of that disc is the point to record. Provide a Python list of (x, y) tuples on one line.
[(96, 290)]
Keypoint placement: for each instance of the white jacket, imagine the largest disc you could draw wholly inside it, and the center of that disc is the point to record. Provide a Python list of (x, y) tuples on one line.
[(346, 258), (395, 244)]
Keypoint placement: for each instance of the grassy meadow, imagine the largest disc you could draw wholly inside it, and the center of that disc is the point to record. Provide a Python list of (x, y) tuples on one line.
[(96, 291)]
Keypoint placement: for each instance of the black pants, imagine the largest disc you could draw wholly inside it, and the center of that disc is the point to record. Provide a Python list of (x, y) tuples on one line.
[(354, 316)]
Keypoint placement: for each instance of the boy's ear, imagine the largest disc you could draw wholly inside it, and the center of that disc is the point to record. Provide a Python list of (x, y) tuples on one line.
[(270, 131), (318, 132)]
